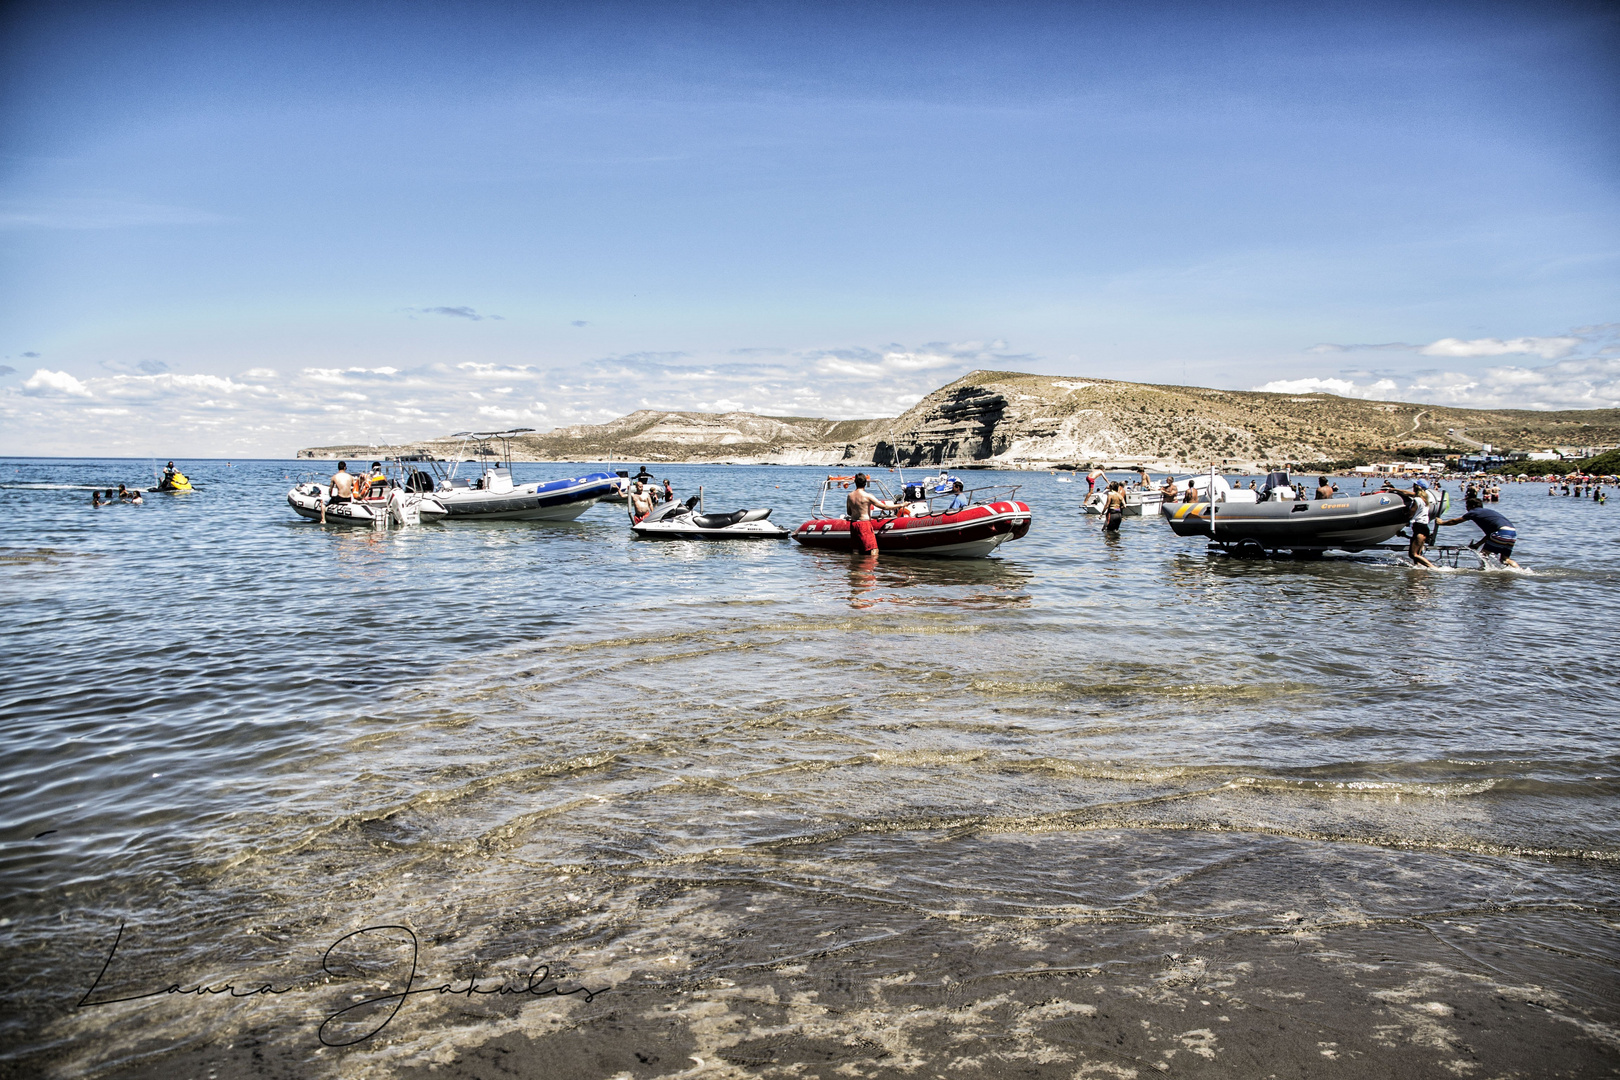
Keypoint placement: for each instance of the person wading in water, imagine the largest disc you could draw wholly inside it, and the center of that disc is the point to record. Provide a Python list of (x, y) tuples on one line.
[(1114, 511), (859, 506)]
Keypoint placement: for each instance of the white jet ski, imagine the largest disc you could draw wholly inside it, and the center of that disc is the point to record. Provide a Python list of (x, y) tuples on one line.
[(684, 521)]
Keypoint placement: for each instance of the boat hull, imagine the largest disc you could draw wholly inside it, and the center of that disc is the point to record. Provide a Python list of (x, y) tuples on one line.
[(966, 534), (307, 499), (1347, 523), (558, 500), (1143, 503)]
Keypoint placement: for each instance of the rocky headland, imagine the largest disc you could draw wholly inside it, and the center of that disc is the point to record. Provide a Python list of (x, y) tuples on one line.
[(1003, 419)]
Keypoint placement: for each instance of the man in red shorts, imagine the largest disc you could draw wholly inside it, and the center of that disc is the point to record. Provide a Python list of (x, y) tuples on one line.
[(859, 506)]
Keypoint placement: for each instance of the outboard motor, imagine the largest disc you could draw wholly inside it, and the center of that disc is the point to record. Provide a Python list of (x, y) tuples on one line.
[(419, 482)]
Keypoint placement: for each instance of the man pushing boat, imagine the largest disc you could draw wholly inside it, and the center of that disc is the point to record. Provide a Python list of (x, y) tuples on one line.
[(1500, 535), (859, 506)]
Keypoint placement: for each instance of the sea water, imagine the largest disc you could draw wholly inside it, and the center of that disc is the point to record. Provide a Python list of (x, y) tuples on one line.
[(233, 736)]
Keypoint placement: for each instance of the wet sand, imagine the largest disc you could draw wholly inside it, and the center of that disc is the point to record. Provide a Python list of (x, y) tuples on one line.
[(838, 991)]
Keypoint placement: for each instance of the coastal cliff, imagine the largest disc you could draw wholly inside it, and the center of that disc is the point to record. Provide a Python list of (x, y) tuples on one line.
[(1011, 419)]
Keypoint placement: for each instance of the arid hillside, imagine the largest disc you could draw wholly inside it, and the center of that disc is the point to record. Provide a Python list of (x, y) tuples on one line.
[(1010, 418)]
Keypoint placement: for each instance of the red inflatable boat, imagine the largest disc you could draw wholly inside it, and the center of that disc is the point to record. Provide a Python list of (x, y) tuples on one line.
[(918, 530)]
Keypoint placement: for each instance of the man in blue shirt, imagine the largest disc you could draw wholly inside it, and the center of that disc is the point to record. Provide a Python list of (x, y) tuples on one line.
[(959, 501), (1500, 535)]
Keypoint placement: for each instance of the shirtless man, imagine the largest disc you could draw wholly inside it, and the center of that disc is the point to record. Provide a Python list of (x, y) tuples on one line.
[(1324, 490), (641, 503), (339, 489), (859, 506)]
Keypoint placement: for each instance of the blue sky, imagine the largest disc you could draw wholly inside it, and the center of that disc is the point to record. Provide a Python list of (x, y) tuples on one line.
[(232, 230)]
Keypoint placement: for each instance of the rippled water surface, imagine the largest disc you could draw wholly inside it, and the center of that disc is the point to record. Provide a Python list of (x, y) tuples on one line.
[(243, 735)]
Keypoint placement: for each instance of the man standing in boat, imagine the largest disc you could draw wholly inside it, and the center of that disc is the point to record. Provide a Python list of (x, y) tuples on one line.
[(859, 505), (340, 489)]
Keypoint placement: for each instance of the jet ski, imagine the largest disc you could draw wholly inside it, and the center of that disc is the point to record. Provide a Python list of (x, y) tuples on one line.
[(172, 482), (1287, 523), (684, 521)]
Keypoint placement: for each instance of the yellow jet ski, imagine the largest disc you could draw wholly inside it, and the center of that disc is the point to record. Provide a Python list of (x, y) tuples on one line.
[(174, 480)]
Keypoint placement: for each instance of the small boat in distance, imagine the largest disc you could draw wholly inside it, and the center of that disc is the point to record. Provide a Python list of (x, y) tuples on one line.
[(991, 519)]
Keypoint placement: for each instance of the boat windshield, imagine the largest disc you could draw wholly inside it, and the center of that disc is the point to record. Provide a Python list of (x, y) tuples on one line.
[(920, 497)]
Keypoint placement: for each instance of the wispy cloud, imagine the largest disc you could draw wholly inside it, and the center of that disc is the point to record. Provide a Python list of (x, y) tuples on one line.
[(7, 369), (143, 367), (98, 214), (1389, 346), (458, 313), (1548, 348)]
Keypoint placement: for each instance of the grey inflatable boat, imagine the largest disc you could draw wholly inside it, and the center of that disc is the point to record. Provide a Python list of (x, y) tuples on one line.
[(1349, 523)]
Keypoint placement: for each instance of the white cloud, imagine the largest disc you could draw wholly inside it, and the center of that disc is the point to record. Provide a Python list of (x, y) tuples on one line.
[(46, 381), (1590, 380), (1341, 387), (1548, 348), (1589, 383), (259, 411)]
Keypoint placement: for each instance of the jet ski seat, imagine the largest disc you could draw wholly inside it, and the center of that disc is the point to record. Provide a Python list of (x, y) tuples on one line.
[(736, 517)]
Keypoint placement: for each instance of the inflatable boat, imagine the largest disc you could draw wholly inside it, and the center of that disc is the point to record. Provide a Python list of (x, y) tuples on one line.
[(494, 497), (918, 529), (685, 521), (381, 507), (1349, 523)]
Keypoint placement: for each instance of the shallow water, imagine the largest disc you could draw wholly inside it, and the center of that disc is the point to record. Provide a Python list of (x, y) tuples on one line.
[(243, 735)]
